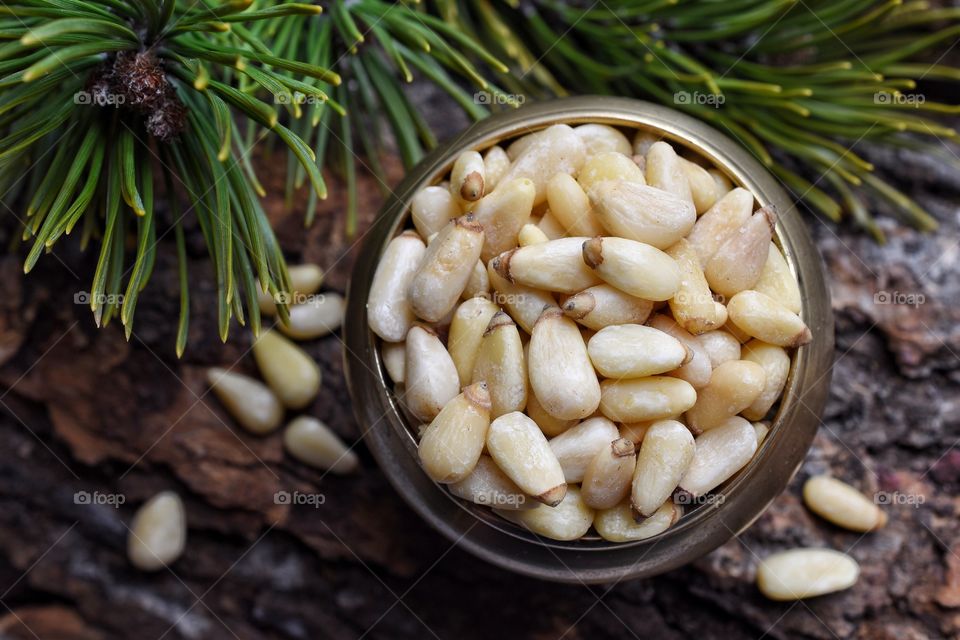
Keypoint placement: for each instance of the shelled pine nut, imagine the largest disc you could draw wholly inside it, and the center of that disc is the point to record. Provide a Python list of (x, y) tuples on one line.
[(598, 138), (451, 445), (762, 317), (489, 486), (252, 404), (561, 374), (664, 456), (603, 305), (520, 449), (389, 313), (570, 519), (842, 505), (445, 268), (619, 525), (501, 365), (805, 573), (609, 166), (158, 533), (288, 370), (719, 454), (430, 376), (606, 480), (635, 268), (575, 448)]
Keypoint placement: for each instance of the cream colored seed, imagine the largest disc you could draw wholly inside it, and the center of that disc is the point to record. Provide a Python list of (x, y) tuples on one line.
[(561, 374), (842, 505), (571, 206), (305, 280), (777, 281), (727, 215), (604, 305), (776, 364), (313, 443), (762, 317), (722, 181), (487, 485), (720, 346), (556, 150), (287, 369), (531, 234), (521, 451), (524, 304), (576, 447), (521, 144), (502, 214), (738, 333), (635, 351), (548, 424), (470, 322), (642, 141), (733, 387), (664, 170), (761, 429), (445, 269), (693, 306), (601, 137), (551, 227), (394, 355), (496, 163), (649, 398), (555, 266), (252, 404), (478, 284), (431, 376), (805, 573), (635, 268), (569, 520), (431, 209), (719, 454), (500, 363), (619, 525), (606, 481), (452, 444), (158, 533), (665, 454), (315, 318), (698, 371), (636, 431), (389, 313), (645, 214), (738, 262), (608, 166), (703, 187)]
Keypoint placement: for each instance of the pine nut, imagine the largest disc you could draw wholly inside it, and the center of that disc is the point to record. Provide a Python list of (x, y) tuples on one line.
[(313, 443), (738, 333), (762, 429), (252, 404), (608, 166), (520, 449), (446, 268), (316, 318), (550, 226), (635, 351), (287, 369), (724, 186), (777, 281), (650, 398), (603, 305), (524, 304), (842, 505), (470, 322), (720, 453), (431, 376), (502, 214), (431, 209), (548, 424), (556, 265), (478, 284), (698, 371), (762, 317), (452, 444), (598, 138), (575, 448), (633, 267), (487, 485), (561, 374), (466, 177), (619, 525), (158, 533), (693, 306), (776, 364), (642, 141), (733, 387), (389, 313), (606, 480), (521, 144), (703, 188), (558, 149), (531, 234), (805, 573), (496, 163), (571, 206), (500, 363), (636, 431), (738, 262), (645, 214), (394, 355), (727, 215), (305, 280), (665, 454), (664, 171), (721, 347), (568, 520)]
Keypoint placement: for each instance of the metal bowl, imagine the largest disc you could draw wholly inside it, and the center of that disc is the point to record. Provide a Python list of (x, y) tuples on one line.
[(739, 501)]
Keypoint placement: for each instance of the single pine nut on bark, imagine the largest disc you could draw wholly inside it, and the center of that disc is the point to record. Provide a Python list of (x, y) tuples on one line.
[(806, 573), (500, 364), (305, 280), (158, 533), (698, 371), (777, 281), (703, 188), (570, 519), (466, 177), (524, 304), (555, 266), (608, 166), (576, 447), (487, 485), (842, 505), (451, 446), (606, 480), (727, 215), (548, 424), (618, 524), (312, 442), (598, 138), (431, 209), (693, 306), (733, 387), (664, 170), (603, 305), (531, 234), (502, 214), (431, 376), (445, 268), (550, 226), (470, 322), (389, 313), (721, 346), (738, 262), (635, 351), (251, 403), (496, 163), (478, 284), (557, 149), (571, 206), (652, 398), (520, 449), (664, 456), (316, 318), (762, 429), (646, 214), (561, 374), (635, 268), (287, 369), (776, 363), (763, 318), (394, 356), (719, 454)]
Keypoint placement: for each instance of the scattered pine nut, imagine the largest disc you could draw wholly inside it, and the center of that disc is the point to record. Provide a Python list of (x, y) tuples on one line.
[(288, 370), (313, 443), (305, 280), (158, 533), (842, 505), (252, 404), (805, 573), (315, 318)]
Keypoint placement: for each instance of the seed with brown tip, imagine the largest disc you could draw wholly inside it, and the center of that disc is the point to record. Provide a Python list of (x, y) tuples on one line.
[(554, 266), (738, 262), (576, 447), (521, 451), (452, 444), (524, 304), (633, 267), (570, 519), (618, 524), (604, 305), (764, 318), (445, 268), (561, 374), (606, 481), (842, 505), (645, 214), (500, 363)]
